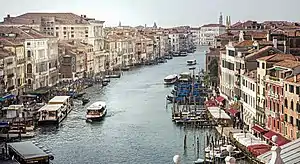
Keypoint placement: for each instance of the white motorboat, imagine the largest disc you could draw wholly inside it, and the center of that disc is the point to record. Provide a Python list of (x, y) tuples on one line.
[(191, 62), (202, 161), (171, 79), (96, 111)]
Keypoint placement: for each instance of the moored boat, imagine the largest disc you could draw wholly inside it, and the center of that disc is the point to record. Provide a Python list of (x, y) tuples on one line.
[(85, 101), (126, 68), (96, 111), (191, 62), (56, 110), (171, 79)]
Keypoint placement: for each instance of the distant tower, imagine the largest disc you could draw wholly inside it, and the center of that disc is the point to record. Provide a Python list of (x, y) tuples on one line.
[(154, 26), (145, 25), (227, 22), (221, 19), (120, 24)]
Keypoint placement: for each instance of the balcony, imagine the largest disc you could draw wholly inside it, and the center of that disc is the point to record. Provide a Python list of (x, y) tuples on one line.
[(273, 78), (21, 61)]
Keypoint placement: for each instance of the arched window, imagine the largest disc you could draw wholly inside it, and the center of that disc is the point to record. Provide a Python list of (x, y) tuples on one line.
[(285, 103), (29, 68), (28, 53), (292, 105), (29, 81)]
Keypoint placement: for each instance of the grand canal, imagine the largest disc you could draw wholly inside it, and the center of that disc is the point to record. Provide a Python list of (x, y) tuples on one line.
[(138, 128)]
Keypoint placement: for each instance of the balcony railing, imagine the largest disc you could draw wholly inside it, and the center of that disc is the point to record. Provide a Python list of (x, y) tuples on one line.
[(273, 78), (21, 61)]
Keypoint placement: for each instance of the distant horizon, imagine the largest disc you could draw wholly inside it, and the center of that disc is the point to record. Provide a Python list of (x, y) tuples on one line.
[(165, 13)]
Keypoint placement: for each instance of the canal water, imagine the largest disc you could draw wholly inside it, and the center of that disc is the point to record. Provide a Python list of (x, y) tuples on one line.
[(138, 127)]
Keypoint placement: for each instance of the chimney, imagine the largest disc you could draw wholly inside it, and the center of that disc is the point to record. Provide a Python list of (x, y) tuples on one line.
[(295, 78), (275, 42), (8, 16), (32, 21), (84, 16)]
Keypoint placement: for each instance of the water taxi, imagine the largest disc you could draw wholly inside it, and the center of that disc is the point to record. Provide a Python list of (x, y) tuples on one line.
[(191, 62), (56, 110), (96, 111), (171, 79)]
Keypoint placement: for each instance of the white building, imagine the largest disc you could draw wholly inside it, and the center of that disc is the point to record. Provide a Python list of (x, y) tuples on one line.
[(248, 97), (196, 35), (209, 32), (174, 42)]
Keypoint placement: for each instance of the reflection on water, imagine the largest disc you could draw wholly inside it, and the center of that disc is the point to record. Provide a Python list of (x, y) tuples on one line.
[(138, 127)]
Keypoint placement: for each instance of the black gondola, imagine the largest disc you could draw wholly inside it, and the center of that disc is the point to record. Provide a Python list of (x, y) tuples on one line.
[(104, 83), (85, 101)]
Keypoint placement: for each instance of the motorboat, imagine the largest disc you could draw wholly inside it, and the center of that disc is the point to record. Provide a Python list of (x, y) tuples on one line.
[(183, 54), (126, 68), (202, 161), (107, 80), (191, 62), (96, 111), (118, 75), (171, 79), (104, 83), (85, 101)]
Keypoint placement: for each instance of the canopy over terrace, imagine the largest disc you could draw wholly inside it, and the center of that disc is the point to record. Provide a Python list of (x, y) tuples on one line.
[(280, 139), (218, 113)]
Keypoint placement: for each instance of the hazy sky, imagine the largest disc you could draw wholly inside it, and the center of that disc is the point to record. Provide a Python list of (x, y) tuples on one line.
[(165, 12)]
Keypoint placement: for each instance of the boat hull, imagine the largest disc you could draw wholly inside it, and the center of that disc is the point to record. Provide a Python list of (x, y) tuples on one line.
[(57, 121), (96, 118)]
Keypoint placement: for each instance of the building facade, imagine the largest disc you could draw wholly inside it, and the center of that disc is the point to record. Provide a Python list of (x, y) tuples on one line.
[(209, 32)]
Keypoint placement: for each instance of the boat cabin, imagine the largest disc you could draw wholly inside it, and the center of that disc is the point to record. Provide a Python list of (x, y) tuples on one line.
[(191, 62), (61, 100), (28, 153), (50, 112), (185, 77), (13, 111)]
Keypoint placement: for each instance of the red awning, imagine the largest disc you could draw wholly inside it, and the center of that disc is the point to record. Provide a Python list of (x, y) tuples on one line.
[(220, 99), (232, 111), (211, 103), (258, 129), (257, 150), (280, 139)]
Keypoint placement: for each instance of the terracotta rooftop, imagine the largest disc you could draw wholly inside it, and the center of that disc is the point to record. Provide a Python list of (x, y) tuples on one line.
[(245, 43), (20, 33), (265, 43), (213, 25), (278, 57), (293, 79), (36, 18), (288, 64), (4, 53), (256, 54)]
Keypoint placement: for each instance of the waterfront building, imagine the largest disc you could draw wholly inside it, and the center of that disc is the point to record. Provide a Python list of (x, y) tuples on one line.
[(174, 42), (274, 92), (208, 33), (41, 55), (196, 36), (65, 26), (248, 97), (292, 107), (7, 71), (76, 60), (17, 49)]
